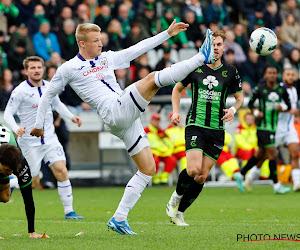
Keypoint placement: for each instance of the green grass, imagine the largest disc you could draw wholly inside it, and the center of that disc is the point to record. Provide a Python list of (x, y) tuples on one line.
[(215, 219)]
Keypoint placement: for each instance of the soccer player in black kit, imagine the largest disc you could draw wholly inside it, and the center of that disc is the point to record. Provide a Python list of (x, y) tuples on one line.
[(270, 94), (11, 161), (205, 124)]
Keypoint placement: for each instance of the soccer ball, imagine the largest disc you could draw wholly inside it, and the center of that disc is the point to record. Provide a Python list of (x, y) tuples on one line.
[(263, 41)]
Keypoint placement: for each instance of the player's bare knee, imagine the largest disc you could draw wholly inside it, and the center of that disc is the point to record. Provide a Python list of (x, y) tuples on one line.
[(150, 171), (193, 171), (61, 173), (201, 179)]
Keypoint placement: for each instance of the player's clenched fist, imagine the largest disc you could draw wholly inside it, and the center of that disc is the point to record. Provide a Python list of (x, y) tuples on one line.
[(37, 132)]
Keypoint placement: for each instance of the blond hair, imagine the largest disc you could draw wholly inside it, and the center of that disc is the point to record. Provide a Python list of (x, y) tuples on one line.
[(29, 59), (83, 29), (220, 33)]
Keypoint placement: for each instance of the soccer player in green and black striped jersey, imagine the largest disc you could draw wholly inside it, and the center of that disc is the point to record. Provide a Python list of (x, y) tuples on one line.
[(269, 95), (204, 133), (12, 162)]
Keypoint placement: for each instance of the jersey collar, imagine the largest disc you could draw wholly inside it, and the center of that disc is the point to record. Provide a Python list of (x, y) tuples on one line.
[(82, 59), (31, 85)]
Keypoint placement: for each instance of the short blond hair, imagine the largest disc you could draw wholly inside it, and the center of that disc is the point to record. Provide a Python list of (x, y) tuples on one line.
[(83, 29), (220, 33), (29, 59)]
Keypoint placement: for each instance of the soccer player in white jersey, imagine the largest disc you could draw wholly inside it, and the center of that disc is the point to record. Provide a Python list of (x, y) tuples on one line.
[(24, 102), (91, 75), (286, 133)]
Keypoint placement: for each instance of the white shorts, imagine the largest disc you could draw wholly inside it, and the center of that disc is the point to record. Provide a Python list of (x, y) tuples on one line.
[(50, 153), (286, 138), (123, 119)]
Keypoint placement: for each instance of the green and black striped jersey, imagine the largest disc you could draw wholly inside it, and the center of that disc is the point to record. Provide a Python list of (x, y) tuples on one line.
[(209, 92), (6, 136), (269, 99)]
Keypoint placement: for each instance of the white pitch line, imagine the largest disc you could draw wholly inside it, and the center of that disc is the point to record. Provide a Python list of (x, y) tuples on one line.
[(247, 223)]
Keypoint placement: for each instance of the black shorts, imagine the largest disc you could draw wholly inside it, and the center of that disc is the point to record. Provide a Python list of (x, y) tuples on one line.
[(209, 141), (265, 138)]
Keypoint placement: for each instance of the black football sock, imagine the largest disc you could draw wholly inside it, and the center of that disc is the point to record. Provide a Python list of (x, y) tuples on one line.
[(273, 171), (250, 164), (184, 181), (190, 196)]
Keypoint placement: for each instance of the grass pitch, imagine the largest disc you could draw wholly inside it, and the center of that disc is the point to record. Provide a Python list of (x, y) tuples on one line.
[(215, 218)]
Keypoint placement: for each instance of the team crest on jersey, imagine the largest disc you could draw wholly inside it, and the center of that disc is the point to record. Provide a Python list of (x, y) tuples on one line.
[(100, 76), (103, 61), (211, 81), (273, 96)]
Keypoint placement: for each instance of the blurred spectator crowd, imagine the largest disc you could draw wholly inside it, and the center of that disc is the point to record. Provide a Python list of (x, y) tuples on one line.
[(47, 28)]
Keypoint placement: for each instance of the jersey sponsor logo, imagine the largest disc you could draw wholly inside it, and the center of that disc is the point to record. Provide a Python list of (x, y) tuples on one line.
[(210, 95), (35, 106), (274, 98), (25, 178), (94, 70), (100, 76), (23, 171), (211, 82), (224, 73)]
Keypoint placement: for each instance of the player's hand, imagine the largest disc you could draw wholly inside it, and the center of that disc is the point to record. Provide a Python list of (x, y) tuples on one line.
[(175, 119), (176, 28), (229, 115), (77, 120), (37, 132), (294, 111), (35, 235), (1, 238), (20, 132)]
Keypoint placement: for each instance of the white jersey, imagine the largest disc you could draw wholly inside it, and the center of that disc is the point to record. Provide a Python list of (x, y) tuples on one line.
[(24, 102), (285, 121), (94, 80)]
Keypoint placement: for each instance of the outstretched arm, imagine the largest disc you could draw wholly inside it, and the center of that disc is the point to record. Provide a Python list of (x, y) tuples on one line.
[(64, 112), (142, 47)]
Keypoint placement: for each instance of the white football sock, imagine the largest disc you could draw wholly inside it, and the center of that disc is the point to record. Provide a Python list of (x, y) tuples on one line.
[(178, 71), (132, 193), (253, 173), (296, 176), (177, 195), (64, 189), (14, 183)]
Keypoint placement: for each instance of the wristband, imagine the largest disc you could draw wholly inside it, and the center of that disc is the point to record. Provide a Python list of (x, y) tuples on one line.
[(256, 112), (233, 109), (284, 107)]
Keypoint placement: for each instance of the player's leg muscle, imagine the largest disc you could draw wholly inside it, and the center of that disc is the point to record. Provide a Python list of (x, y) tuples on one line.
[(144, 161), (194, 162), (59, 170)]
